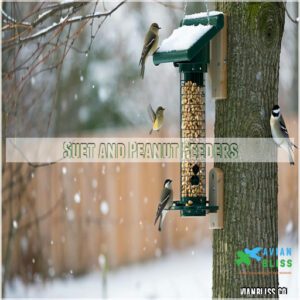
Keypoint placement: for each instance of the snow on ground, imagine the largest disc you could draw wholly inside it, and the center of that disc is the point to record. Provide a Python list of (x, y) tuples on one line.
[(183, 274)]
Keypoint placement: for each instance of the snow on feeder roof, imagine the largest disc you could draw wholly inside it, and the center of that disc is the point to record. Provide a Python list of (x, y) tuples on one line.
[(203, 15), (183, 38), (190, 42)]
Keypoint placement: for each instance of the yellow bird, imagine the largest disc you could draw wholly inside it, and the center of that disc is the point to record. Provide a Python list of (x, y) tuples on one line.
[(157, 117)]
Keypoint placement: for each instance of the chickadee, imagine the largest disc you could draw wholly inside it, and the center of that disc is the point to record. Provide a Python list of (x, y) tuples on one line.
[(150, 45), (166, 201), (157, 117), (280, 133)]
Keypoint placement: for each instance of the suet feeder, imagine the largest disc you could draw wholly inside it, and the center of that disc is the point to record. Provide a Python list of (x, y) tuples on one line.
[(188, 48)]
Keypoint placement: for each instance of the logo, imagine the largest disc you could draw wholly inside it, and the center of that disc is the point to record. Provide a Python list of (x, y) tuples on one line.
[(255, 291), (267, 257)]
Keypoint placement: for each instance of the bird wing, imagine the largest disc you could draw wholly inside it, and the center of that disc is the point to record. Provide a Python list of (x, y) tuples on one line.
[(165, 196), (149, 41), (151, 113), (284, 130), (283, 127)]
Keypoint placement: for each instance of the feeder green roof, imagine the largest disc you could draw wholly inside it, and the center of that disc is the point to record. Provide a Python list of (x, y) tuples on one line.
[(186, 43)]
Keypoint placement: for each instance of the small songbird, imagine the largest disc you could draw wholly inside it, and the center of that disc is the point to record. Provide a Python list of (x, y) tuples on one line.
[(166, 201), (157, 117), (280, 133), (150, 45)]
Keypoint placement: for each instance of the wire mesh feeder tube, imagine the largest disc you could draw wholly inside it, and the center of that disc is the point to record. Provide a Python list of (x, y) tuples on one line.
[(192, 97)]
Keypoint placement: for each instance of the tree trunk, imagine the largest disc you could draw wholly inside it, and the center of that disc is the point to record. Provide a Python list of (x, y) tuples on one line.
[(250, 200)]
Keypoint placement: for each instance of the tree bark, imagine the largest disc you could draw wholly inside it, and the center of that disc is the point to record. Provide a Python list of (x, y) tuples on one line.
[(250, 196)]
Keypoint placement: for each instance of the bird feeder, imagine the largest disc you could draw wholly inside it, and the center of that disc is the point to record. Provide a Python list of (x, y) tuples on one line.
[(188, 48)]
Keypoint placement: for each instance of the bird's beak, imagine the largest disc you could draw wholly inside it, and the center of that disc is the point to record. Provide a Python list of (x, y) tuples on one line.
[(163, 108), (159, 27)]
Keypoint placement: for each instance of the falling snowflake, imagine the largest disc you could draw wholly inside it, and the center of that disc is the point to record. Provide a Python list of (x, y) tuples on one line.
[(94, 183), (24, 244), (51, 242), (33, 261), (83, 114), (75, 97), (157, 252), (102, 261), (15, 224), (103, 171), (289, 227), (51, 272), (104, 207), (70, 215), (64, 170), (146, 200), (118, 169), (258, 75), (81, 78), (77, 198)]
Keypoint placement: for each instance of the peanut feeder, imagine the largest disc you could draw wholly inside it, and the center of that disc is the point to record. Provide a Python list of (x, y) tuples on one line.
[(188, 48)]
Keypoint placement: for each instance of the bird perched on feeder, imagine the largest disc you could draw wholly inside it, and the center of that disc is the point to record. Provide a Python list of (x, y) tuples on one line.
[(165, 203), (280, 133), (150, 45), (157, 117)]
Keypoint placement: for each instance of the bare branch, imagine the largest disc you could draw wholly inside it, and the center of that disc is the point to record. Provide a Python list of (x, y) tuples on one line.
[(63, 22), (33, 165), (9, 19), (289, 16), (168, 5), (41, 18), (40, 218)]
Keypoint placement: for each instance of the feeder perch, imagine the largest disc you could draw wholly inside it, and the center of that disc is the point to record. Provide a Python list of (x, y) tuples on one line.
[(188, 48), (216, 197)]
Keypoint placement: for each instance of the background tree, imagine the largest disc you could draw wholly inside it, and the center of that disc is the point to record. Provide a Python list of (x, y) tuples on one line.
[(67, 68), (250, 209)]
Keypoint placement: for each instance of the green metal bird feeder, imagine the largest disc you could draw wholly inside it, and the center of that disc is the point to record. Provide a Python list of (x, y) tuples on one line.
[(188, 48)]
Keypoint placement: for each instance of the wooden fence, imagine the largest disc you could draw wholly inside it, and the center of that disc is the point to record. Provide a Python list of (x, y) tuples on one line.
[(59, 219), (70, 214)]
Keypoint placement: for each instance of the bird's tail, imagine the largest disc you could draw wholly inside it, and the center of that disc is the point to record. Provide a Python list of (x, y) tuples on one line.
[(160, 223), (161, 220), (142, 63), (291, 158)]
